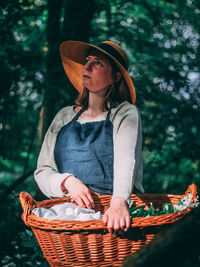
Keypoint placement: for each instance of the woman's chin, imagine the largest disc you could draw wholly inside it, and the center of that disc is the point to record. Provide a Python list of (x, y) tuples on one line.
[(87, 84), (93, 89)]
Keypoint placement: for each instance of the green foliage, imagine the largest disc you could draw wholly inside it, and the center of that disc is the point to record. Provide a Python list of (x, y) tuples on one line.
[(29, 241), (155, 209), (12, 230), (22, 58), (167, 208), (142, 212)]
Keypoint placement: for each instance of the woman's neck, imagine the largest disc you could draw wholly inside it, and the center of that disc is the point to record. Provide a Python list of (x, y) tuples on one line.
[(94, 108)]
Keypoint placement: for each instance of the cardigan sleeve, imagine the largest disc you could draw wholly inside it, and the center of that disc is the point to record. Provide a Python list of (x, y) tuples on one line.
[(128, 167), (46, 175)]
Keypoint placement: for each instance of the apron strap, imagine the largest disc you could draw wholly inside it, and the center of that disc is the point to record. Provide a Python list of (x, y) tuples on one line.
[(112, 104), (79, 113)]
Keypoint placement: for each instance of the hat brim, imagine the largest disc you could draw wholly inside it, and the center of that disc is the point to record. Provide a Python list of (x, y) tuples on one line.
[(73, 54)]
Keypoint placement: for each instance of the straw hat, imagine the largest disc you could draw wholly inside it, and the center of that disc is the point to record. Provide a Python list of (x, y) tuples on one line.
[(73, 54)]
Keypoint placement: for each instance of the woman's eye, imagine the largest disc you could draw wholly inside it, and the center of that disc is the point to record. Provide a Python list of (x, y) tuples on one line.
[(93, 62), (99, 63), (87, 60)]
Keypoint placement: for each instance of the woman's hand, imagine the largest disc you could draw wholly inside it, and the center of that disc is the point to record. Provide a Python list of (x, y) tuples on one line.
[(117, 216), (79, 192)]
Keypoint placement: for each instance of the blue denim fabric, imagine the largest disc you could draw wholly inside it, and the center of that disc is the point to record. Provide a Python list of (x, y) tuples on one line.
[(86, 150)]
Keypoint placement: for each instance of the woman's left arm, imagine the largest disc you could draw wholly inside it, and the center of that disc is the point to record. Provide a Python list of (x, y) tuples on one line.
[(127, 166)]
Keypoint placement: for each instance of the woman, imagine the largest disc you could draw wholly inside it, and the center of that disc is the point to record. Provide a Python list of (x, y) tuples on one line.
[(95, 146)]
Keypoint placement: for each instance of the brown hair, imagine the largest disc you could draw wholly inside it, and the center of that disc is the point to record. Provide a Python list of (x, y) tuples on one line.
[(117, 93)]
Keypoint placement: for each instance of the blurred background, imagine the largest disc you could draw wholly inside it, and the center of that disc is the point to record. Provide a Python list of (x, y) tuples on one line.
[(162, 41)]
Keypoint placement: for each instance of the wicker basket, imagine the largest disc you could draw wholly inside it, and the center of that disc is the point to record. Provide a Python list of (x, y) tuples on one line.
[(88, 243)]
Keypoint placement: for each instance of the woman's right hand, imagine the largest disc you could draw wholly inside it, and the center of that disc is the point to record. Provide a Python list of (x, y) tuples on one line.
[(79, 192)]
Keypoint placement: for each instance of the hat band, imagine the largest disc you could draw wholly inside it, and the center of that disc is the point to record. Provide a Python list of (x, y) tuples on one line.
[(109, 49)]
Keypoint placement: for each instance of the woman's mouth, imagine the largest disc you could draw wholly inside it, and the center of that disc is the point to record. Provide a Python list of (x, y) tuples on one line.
[(86, 76)]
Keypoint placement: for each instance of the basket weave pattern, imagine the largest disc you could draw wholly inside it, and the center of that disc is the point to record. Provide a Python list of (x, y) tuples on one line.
[(88, 243)]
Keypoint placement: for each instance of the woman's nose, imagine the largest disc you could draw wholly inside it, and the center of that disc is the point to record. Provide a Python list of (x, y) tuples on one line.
[(88, 65)]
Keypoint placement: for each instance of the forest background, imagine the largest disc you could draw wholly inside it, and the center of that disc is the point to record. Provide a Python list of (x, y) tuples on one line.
[(162, 41)]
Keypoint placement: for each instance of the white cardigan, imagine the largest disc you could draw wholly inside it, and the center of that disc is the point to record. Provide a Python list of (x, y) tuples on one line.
[(127, 139)]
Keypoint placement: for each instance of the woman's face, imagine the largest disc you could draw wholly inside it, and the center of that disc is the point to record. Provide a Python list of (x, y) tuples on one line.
[(97, 72)]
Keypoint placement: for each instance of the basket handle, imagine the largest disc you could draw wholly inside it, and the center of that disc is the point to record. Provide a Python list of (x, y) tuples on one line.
[(192, 189), (27, 203)]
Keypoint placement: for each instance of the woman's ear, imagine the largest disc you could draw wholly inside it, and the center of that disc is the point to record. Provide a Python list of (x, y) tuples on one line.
[(118, 76)]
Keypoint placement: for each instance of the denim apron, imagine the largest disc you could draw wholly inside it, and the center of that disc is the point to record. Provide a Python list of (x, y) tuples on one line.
[(86, 151)]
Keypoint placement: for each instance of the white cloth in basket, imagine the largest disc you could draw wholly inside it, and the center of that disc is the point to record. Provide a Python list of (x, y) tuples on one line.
[(67, 211)]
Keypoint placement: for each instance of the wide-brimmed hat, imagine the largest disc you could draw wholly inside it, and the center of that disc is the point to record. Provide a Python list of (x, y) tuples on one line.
[(73, 54)]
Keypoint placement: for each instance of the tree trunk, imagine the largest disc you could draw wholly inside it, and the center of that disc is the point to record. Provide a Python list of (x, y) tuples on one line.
[(76, 26), (50, 93), (77, 20)]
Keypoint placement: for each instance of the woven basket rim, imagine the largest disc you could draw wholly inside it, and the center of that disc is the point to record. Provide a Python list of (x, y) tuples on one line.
[(98, 224), (64, 225)]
